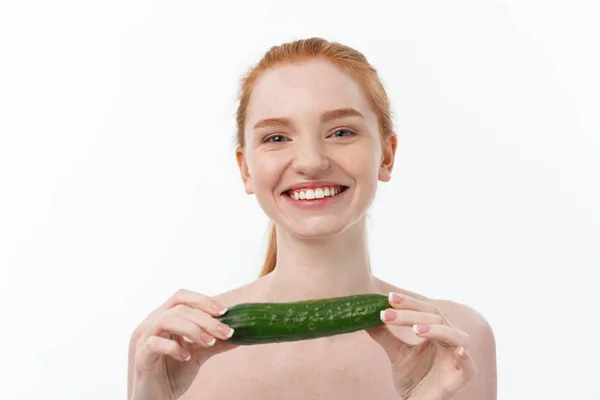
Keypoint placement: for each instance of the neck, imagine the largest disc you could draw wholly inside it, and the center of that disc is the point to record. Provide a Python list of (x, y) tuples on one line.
[(312, 269)]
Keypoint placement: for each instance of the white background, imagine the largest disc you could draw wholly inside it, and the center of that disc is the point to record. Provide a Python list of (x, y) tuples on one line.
[(119, 185)]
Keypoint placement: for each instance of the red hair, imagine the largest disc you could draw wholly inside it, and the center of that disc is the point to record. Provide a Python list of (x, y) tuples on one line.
[(348, 59)]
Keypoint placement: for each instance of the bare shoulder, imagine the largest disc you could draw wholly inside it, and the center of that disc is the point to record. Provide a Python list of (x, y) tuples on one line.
[(246, 293), (465, 317), (461, 315), (482, 348), (482, 342)]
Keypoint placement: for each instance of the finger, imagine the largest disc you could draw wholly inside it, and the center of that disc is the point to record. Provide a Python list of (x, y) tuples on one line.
[(206, 322), (404, 302), (155, 347), (463, 362), (202, 356), (167, 324), (409, 317), (444, 333), (194, 300), (452, 337)]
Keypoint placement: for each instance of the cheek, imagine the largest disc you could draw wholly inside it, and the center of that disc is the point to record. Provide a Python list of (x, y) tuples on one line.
[(266, 171), (366, 172), (363, 162)]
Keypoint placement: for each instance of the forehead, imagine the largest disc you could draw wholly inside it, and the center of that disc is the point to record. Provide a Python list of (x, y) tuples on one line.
[(303, 91)]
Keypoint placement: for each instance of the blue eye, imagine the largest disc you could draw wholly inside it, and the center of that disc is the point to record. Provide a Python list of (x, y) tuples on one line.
[(275, 139), (343, 130)]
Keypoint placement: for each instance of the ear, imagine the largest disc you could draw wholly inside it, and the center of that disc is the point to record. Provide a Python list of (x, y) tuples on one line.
[(389, 145), (244, 171)]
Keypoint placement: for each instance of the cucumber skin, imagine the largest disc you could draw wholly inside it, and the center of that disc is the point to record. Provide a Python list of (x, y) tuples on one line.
[(261, 323)]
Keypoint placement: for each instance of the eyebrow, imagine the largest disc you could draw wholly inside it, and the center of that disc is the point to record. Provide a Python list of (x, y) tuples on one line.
[(325, 117)]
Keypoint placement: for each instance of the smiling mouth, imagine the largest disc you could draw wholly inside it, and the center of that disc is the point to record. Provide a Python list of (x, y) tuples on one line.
[(316, 193)]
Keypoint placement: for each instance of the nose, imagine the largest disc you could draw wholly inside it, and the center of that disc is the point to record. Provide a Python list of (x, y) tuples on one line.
[(310, 157)]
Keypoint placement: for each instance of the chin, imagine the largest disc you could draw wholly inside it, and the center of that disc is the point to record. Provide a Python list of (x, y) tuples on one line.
[(318, 228)]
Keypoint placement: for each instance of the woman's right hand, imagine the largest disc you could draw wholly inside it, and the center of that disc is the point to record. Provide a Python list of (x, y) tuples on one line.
[(169, 347)]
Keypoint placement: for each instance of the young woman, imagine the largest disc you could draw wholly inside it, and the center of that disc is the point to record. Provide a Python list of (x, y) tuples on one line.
[(314, 139)]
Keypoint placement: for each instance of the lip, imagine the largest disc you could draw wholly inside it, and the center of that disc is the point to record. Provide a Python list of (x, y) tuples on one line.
[(318, 204), (312, 185)]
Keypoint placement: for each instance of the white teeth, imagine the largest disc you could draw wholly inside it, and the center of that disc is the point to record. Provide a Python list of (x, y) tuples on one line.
[(318, 193)]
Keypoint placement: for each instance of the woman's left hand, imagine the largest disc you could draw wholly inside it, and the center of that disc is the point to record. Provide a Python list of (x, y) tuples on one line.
[(436, 368)]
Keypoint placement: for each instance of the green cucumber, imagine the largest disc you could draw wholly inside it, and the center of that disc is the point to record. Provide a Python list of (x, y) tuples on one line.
[(260, 323)]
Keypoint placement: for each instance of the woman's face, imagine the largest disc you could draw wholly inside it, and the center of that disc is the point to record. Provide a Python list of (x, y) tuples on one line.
[(313, 153)]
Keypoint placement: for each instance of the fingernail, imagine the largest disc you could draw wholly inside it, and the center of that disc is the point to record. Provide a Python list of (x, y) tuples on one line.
[(418, 329), (208, 339), (461, 353), (185, 338), (395, 298), (225, 330), (219, 308), (387, 315), (185, 355)]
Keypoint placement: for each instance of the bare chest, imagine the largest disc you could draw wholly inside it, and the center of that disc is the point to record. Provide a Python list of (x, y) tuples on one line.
[(352, 369)]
